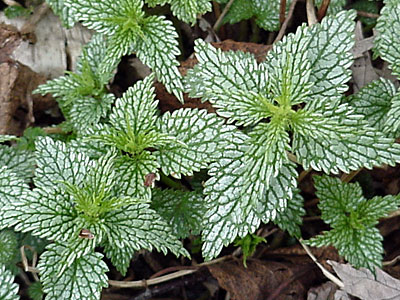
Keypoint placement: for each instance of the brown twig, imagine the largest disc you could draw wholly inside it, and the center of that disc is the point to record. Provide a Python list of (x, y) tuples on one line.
[(367, 14), (322, 9), (222, 15), (282, 11), (327, 274), (347, 177), (286, 22), (311, 17)]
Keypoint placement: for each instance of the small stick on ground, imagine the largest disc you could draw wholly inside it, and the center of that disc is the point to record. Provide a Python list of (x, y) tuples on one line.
[(285, 24), (322, 9), (222, 15), (327, 274), (282, 11), (311, 16)]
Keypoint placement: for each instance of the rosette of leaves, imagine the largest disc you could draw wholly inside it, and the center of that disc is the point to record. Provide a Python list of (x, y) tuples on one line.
[(186, 10), (80, 204), (265, 12), (178, 143), (352, 219), (129, 30), (289, 104), (387, 43), (82, 95)]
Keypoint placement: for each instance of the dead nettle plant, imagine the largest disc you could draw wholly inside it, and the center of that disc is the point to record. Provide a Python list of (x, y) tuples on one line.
[(96, 189)]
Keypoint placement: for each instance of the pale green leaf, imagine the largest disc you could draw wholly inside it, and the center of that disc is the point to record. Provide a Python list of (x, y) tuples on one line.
[(8, 246), (199, 136), (232, 82), (87, 111), (132, 172), (330, 56), (12, 189), (6, 137), (289, 68), (183, 211), (291, 218), (374, 101), (225, 218), (20, 162), (136, 110), (84, 279), (158, 49), (136, 227), (333, 138), (185, 10), (387, 43), (392, 123), (66, 14), (267, 13), (8, 289), (264, 158), (56, 163), (378, 207), (35, 291)]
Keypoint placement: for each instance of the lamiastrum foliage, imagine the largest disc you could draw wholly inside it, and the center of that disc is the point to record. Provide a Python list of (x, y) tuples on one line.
[(129, 30), (296, 92), (92, 194), (78, 204), (352, 219), (177, 144), (82, 95)]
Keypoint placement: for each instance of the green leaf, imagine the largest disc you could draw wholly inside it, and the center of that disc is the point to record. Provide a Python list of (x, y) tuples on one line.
[(291, 218), (67, 15), (56, 164), (183, 211), (186, 10), (239, 10), (6, 137), (12, 189), (264, 158), (8, 246), (84, 279), (392, 123), (330, 56), (136, 227), (336, 198), (289, 68), (8, 289), (199, 136), (136, 110), (333, 138), (352, 219), (248, 244), (387, 43), (15, 11), (225, 218), (374, 101), (231, 81), (361, 248), (35, 291), (158, 49), (132, 172), (267, 13), (20, 162)]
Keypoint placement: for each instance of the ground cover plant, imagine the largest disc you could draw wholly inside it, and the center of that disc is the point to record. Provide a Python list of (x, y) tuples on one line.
[(118, 176)]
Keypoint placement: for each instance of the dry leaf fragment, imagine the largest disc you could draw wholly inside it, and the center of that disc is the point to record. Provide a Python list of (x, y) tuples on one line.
[(364, 285)]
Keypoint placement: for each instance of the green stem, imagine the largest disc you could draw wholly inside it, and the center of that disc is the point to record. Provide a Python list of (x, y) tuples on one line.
[(177, 185)]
